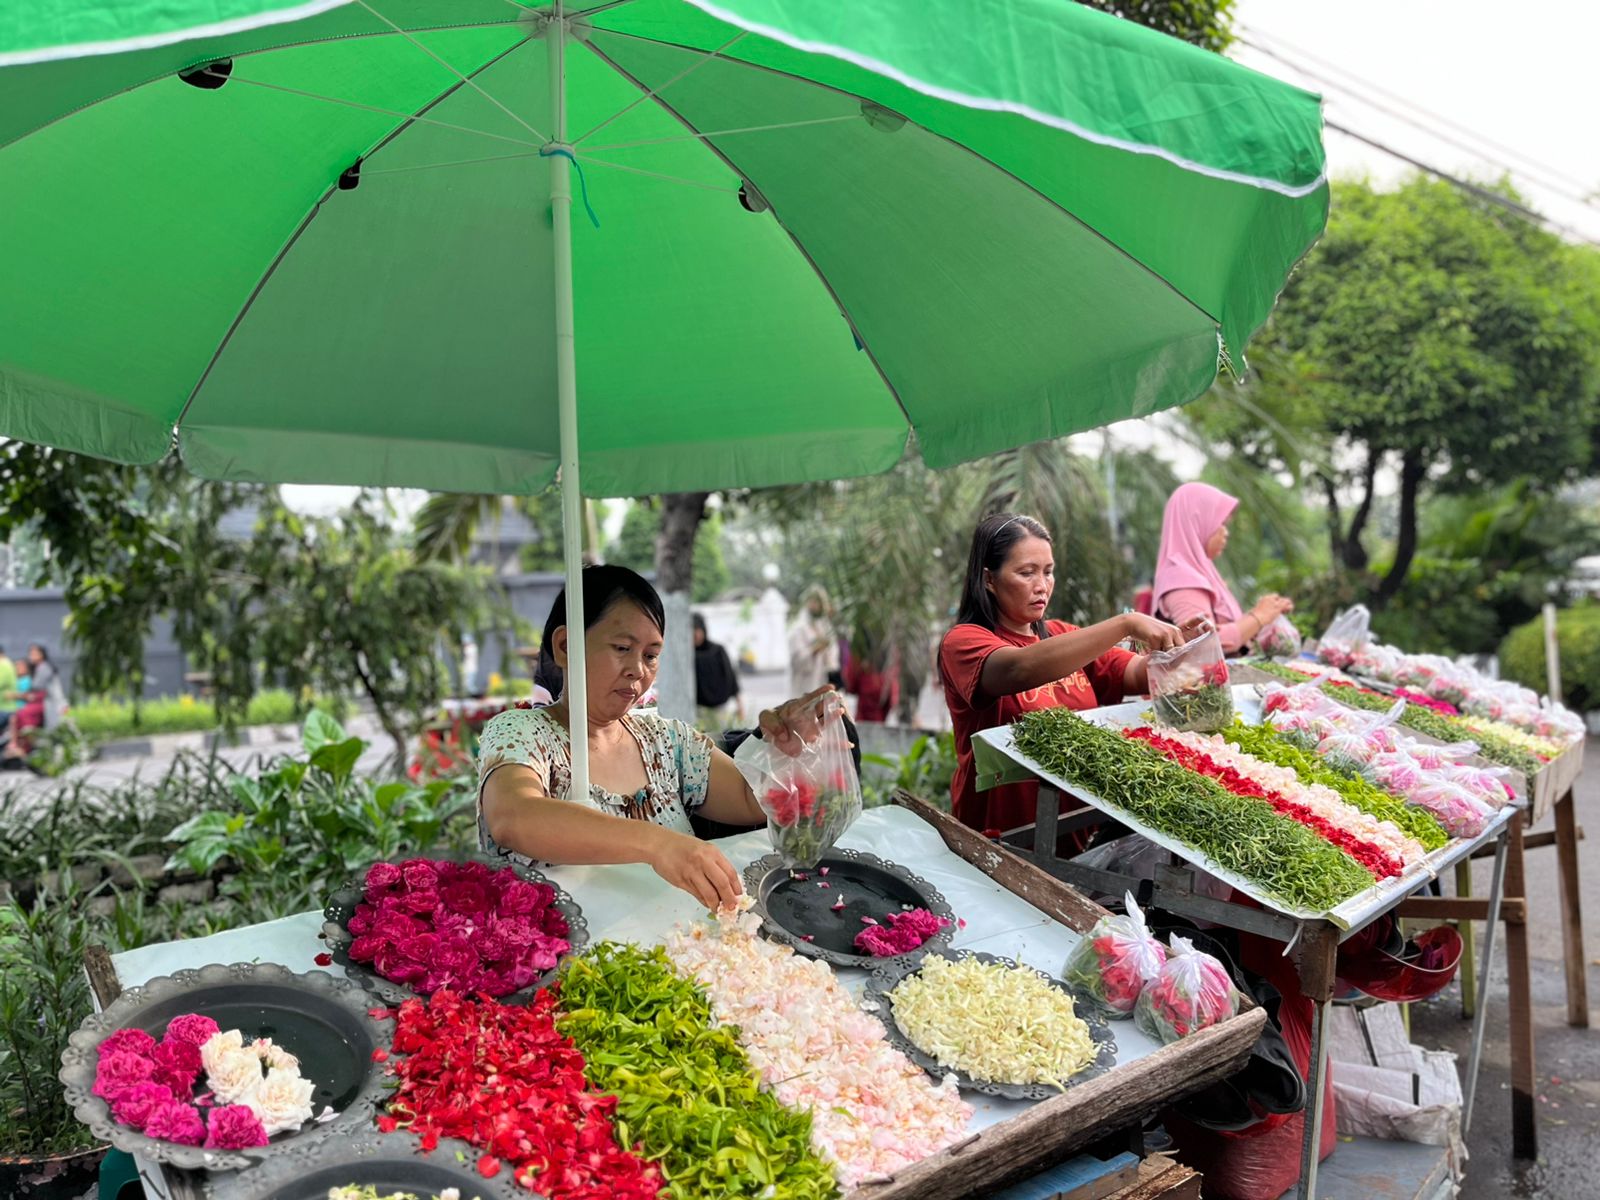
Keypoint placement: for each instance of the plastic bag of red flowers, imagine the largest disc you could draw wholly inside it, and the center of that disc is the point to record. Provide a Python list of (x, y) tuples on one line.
[(1189, 686), (1191, 992), (810, 798), (1115, 960)]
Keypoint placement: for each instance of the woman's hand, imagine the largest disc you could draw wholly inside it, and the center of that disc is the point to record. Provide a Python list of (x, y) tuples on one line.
[(697, 867), (1270, 607), (794, 723), (1196, 626), (1154, 634)]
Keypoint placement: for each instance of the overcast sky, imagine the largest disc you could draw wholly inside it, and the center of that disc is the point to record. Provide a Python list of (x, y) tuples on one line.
[(1519, 75)]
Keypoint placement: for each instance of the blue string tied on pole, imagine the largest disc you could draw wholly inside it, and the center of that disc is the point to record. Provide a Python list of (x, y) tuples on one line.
[(583, 184)]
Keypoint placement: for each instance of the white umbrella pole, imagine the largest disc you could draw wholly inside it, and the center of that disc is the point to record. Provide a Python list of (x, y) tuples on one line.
[(576, 688)]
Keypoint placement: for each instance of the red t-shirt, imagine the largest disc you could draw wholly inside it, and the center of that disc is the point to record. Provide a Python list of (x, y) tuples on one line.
[(961, 657)]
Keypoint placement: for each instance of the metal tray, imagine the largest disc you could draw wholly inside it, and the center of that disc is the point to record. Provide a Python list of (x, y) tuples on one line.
[(393, 1162), (321, 1020), (870, 887), (341, 907), (876, 1000)]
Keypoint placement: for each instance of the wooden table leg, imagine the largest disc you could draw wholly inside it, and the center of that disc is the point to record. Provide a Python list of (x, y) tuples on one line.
[(1572, 912), (1524, 1120), (1469, 945)]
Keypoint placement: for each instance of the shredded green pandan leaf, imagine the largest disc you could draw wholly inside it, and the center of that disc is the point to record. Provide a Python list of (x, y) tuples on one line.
[(686, 1092), (1270, 746), (1286, 860)]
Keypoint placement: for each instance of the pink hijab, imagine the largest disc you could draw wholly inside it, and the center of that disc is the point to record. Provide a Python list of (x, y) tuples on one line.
[(1194, 513)]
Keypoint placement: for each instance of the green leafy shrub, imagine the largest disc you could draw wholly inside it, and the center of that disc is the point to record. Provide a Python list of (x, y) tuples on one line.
[(925, 770), (1578, 638), (104, 719), (304, 825)]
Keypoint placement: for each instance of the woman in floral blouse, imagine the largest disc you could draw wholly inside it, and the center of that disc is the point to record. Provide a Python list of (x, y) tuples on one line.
[(646, 772)]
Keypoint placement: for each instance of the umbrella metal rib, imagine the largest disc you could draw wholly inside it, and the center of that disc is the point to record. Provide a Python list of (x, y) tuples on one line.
[(466, 79)]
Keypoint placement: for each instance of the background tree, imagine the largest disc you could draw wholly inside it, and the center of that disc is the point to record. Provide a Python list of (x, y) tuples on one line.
[(1434, 335), (643, 527), (1204, 23), (337, 606)]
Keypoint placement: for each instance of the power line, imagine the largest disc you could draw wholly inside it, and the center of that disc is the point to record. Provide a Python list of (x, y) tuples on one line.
[(1464, 185), (1482, 138)]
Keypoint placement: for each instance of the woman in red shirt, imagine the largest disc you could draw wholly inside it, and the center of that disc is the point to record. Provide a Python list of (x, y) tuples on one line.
[(1003, 658)]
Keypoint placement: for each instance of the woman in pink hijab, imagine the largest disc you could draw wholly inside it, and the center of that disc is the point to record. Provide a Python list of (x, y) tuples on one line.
[(1194, 531)]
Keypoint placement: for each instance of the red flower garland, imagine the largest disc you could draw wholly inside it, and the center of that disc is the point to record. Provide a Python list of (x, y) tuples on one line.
[(505, 1080), (1379, 862)]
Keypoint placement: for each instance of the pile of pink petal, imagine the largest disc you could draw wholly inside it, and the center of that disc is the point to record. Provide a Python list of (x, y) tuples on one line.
[(873, 1112), (466, 926), (903, 933)]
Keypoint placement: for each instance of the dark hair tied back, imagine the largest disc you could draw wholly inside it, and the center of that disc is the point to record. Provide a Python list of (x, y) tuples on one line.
[(604, 587), (991, 542)]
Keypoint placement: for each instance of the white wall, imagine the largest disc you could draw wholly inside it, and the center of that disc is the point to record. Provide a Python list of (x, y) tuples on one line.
[(751, 628)]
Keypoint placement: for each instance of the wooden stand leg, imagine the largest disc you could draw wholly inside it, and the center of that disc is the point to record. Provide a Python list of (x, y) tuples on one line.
[(1469, 945), (1572, 912), (1524, 1121)]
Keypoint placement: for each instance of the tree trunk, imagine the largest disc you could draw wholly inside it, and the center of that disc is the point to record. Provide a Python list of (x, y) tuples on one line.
[(681, 514), (1412, 472), (1355, 554), (1335, 520)]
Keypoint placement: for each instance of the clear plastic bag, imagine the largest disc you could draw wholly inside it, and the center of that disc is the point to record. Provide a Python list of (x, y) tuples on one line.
[(1114, 961), (810, 798), (1348, 634), (1189, 686), (1487, 785), (1461, 814), (1191, 992), (1280, 639)]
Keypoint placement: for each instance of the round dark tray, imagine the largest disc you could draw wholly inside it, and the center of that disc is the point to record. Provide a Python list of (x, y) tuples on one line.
[(870, 887), (322, 1021), (392, 1162), (884, 980), (341, 907)]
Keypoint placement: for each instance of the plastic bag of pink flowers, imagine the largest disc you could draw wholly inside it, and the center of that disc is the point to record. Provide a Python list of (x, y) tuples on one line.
[(810, 798), (1115, 960)]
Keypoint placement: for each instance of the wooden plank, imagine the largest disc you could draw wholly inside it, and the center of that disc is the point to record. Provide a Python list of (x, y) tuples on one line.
[(1369, 1169), (1513, 911), (1160, 1178), (1567, 835), (103, 981), (1531, 841), (1012, 872), (1524, 1119), (1079, 1116)]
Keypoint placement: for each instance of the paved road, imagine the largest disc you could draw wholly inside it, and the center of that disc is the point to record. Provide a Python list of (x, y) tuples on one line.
[(1567, 1060)]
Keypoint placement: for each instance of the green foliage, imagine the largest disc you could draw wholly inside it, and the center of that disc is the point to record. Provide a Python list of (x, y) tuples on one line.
[(104, 719), (1522, 656), (1430, 332), (925, 770), (44, 995), (305, 824), (1205, 23), (635, 546)]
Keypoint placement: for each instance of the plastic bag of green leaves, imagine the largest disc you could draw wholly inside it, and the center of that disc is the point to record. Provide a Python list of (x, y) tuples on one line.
[(1189, 686)]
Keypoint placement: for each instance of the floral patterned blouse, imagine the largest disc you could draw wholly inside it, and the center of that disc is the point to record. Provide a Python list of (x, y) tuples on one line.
[(677, 766)]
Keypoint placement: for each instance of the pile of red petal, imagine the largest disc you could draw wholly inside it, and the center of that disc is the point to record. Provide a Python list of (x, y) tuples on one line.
[(1375, 859), (903, 934), (503, 1079), (1438, 706)]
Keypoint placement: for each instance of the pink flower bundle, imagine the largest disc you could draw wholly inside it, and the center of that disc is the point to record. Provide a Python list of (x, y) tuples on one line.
[(465, 926), (150, 1085)]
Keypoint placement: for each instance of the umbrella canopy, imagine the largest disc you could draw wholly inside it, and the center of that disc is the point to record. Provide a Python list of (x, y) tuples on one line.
[(334, 242), (328, 258)]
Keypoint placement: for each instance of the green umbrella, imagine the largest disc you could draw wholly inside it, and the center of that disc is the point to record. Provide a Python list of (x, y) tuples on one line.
[(329, 242)]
